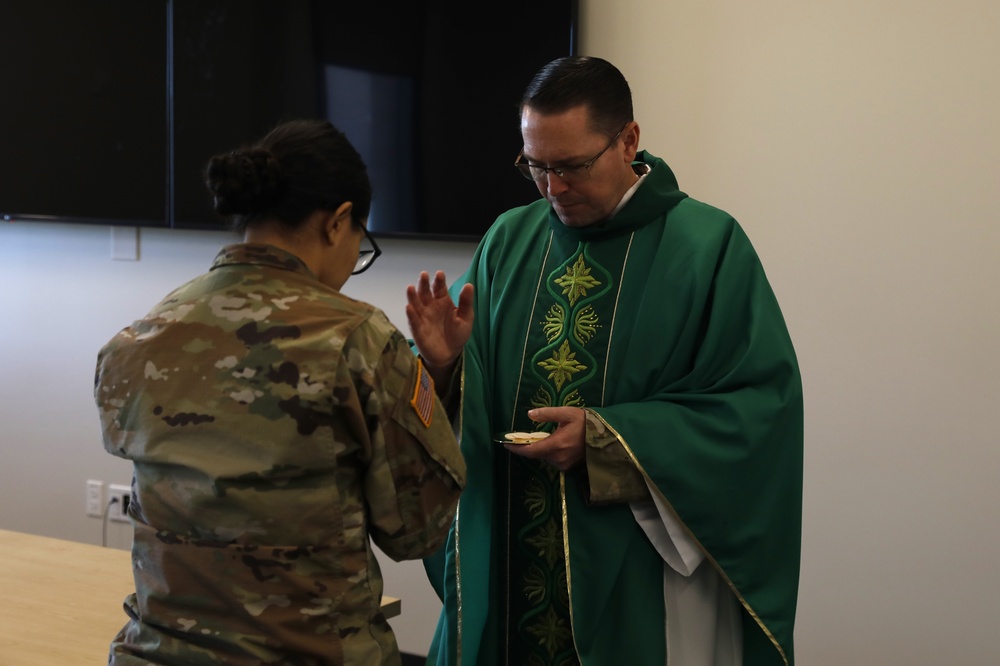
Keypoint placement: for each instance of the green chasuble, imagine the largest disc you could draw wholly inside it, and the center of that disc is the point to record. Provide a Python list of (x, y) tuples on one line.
[(662, 324)]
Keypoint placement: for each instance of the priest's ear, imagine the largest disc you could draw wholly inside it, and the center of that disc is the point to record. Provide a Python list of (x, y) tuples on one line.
[(630, 141)]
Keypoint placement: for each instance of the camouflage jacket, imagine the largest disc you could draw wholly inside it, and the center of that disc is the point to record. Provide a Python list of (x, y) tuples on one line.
[(274, 425)]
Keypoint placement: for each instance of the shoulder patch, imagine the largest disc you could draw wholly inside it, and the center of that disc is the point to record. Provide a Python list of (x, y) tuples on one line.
[(423, 394)]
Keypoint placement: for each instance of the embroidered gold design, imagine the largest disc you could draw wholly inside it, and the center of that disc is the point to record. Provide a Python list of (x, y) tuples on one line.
[(535, 498), (577, 281), (565, 345), (550, 630), (586, 325), (548, 542), (562, 365), (542, 398), (574, 399), (555, 321), (534, 584)]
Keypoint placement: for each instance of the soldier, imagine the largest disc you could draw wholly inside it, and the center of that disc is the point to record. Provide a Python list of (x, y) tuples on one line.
[(275, 424)]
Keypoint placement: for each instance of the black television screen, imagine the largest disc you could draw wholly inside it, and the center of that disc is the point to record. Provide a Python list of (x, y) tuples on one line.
[(427, 91), (239, 67), (83, 117)]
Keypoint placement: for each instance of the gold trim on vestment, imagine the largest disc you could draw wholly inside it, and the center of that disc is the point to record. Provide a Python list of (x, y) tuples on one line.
[(614, 313), (708, 556), (569, 578), (527, 330), (458, 507), (506, 561), (458, 591)]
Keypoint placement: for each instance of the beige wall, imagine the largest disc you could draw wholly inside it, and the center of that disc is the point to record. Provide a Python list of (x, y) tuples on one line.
[(857, 142)]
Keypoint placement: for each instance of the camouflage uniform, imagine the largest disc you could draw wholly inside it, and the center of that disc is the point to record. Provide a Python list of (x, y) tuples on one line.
[(274, 425)]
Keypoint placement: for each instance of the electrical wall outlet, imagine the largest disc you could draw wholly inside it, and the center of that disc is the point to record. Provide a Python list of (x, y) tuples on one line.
[(120, 496), (95, 498)]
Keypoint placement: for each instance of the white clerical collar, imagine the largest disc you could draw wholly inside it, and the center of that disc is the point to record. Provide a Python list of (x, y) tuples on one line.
[(645, 169)]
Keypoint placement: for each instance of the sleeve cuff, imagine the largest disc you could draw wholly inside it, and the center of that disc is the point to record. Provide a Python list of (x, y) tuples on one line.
[(612, 477), (450, 392)]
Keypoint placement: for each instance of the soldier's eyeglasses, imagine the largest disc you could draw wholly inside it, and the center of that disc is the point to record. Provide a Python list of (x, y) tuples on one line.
[(368, 253)]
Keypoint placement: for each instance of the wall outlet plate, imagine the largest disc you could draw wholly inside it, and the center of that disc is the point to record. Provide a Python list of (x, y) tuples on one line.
[(95, 498), (119, 510)]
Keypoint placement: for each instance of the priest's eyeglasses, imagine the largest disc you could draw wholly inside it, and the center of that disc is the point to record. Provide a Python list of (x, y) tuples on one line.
[(569, 173), (368, 253)]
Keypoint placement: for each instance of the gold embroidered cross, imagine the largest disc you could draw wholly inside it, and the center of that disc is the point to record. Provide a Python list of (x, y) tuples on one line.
[(562, 365), (577, 281)]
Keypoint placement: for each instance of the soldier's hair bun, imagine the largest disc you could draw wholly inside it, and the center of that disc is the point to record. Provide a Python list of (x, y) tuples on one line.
[(244, 182), (298, 167)]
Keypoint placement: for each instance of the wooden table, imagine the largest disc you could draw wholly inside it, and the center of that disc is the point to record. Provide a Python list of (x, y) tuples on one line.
[(61, 601)]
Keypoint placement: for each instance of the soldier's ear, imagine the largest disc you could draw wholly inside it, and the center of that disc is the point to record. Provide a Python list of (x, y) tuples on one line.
[(336, 221)]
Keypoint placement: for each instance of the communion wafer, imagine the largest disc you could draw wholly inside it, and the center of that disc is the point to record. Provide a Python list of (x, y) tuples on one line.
[(525, 437)]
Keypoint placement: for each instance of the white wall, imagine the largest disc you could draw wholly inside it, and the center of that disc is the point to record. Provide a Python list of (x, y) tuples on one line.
[(857, 142)]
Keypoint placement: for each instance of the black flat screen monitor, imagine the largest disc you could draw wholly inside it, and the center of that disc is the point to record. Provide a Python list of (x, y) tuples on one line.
[(83, 111), (118, 104)]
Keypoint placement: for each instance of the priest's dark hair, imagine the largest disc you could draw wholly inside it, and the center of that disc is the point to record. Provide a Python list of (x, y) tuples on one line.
[(566, 83)]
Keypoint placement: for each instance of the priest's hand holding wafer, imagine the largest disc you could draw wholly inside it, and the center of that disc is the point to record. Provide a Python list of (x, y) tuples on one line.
[(564, 448)]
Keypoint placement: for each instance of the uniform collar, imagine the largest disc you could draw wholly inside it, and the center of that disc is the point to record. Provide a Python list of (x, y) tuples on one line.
[(259, 254)]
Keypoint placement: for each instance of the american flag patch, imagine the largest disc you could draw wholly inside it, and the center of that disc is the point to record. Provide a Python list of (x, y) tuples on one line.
[(423, 395)]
